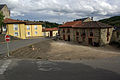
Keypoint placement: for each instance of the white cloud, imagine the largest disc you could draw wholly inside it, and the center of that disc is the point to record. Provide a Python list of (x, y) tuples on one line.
[(63, 10)]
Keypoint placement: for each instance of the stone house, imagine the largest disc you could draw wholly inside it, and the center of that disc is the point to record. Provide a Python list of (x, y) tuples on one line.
[(87, 33)]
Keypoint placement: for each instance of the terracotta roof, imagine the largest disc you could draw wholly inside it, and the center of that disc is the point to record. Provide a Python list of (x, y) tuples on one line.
[(71, 24), (8, 20), (49, 29), (91, 24), (11, 21)]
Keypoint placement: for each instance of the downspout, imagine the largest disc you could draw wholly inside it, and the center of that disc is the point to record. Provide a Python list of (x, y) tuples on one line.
[(19, 31)]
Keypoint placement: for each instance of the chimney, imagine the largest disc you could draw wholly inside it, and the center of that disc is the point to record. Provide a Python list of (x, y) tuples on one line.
[(92, 18)]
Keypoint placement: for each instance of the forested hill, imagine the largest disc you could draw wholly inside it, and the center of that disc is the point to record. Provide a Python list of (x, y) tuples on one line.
[(49, 24), (46, 24), (114, 21)]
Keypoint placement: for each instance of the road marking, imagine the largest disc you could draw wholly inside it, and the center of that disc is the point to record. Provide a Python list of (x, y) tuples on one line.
[(47, 66), (4, 66)]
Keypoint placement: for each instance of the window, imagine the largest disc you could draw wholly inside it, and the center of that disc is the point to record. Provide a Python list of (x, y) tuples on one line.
[(35, 27), (83, 34), (28, 33), (15, 26), (16, 34), (77, 33), (68, 31), (28, 27), (91, 33), (63, 31), (35, 32)]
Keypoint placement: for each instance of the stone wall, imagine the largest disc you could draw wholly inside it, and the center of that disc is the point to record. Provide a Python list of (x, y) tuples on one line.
[(99, 35), (103, 40), (116, 36)]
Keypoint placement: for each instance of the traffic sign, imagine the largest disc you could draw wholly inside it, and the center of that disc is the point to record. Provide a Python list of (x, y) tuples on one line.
[(7, 38)]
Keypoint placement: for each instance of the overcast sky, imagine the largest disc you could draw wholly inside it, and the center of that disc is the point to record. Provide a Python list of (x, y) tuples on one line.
[(62, 10)]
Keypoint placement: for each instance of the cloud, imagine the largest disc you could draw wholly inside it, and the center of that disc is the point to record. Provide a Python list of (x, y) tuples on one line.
[(62, 10)]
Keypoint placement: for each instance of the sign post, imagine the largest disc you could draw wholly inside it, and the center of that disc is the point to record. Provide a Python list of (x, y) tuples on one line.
[(7, 39)]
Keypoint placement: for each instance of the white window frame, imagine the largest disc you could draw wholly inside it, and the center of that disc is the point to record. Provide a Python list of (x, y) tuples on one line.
[(16, 34), (15, 27), (28, 34), (35, 27), (36, 32), (28, 27)]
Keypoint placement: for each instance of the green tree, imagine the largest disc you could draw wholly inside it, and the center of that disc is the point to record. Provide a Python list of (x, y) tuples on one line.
[(1, 21)]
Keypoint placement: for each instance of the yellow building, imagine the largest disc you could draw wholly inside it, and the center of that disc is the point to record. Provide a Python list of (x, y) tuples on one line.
[(50, 32), (22, 29)]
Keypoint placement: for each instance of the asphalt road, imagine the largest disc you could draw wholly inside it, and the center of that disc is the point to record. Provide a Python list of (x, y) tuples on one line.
[(60, 70), (18, 44)]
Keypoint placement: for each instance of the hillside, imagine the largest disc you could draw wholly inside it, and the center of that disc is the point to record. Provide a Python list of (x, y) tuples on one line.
[(46, 24), (114, 21), (49, 24)]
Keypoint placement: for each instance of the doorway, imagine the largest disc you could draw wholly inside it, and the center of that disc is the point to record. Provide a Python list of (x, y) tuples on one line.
[(90, 41), (63, 37), (51, 34), (68, 37)]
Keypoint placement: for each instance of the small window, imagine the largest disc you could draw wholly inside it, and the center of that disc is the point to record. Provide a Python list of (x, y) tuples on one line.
[(77, 33), (91, 33), (16, 34), (28, 27), (35, 27), (63, 30), (28, 33), (15, 26), (83, 34), (35, 32)]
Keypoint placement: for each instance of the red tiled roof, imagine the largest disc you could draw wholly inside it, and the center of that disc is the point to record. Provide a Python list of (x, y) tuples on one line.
[(91, 24), (8, 20), (49, 29), (71, 24)]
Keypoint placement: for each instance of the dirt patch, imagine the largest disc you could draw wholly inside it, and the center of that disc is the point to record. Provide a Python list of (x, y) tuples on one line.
[(61, 51)]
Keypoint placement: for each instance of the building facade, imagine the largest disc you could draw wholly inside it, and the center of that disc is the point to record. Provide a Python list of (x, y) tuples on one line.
[(87, 33), (22, 29), (50, 32), (116, 35), (5, 11)]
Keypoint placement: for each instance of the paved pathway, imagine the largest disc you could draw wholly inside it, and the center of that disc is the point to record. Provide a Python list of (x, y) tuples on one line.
[(18, 44), (14, 69)]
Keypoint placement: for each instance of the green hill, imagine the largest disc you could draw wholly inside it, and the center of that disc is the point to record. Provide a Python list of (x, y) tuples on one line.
[(114, 21), (49, 24), (46, 24)]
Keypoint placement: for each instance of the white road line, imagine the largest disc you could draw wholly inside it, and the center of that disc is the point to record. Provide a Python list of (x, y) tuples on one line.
[(47, 66), (4, 66)]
